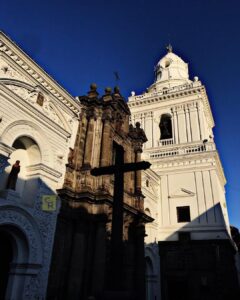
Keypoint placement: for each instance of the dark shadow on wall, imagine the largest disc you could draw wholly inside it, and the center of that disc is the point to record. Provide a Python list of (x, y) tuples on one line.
[(26, 204), (83, 264), (199, 263)]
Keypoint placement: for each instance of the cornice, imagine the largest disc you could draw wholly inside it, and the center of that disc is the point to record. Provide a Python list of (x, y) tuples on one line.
[(5, 149), (142, 100), (190, 162), (207, 108), (13, 51), (175, 95)]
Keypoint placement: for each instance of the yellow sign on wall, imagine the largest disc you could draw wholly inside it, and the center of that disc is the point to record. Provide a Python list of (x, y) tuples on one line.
[(49, 202)]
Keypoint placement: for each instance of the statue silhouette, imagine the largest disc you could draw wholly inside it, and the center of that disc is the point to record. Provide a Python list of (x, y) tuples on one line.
[(13, 175)]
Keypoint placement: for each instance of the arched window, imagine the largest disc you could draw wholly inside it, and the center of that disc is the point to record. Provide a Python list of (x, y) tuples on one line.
[(23, 180), (165, 127)]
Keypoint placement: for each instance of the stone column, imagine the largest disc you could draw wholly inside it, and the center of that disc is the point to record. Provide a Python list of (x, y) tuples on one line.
[(97, 139), (99, 261), (188, 124), (140, 281), (175, 124), (79, 145), (148, 130), (89, 143), (106, 151), (203, 134), (128, 186), (155, 131), (182, 126), (194, 122), (138, 174), (77, 260)]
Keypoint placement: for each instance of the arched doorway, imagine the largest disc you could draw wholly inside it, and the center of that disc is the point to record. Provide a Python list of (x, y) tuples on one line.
[(6, 257), (20, 235), (14, 256), (149, 274)]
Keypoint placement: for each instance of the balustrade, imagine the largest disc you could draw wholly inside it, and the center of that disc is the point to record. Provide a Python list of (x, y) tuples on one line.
[(183, 150)]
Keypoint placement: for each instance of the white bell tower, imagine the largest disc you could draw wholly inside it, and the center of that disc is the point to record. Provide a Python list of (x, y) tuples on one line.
[(176, 116), (184, 190)]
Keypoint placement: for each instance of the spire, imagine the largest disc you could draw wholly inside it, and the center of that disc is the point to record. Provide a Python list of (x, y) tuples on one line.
[(169, 48)]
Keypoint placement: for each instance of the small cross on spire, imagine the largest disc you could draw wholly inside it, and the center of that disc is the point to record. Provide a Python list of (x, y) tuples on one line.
[(169, 48)]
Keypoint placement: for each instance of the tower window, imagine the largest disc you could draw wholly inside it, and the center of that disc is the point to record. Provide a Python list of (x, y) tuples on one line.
[(167, 63), (165, 127), (183, 214)]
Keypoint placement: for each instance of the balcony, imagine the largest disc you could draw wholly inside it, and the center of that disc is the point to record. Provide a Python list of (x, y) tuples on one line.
[(182, 150), (165, 142)]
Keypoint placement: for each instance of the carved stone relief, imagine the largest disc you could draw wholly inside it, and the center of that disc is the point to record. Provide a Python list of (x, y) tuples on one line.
[(32, 97)]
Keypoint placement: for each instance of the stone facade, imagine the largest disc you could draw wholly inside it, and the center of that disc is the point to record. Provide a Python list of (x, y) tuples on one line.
[(37, 121), (185, 187), (83, 265)]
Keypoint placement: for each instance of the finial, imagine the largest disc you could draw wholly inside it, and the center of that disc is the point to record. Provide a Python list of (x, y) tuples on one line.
[(108, 90), (116, 90), (93, 91), (93, 87), (169, 48)]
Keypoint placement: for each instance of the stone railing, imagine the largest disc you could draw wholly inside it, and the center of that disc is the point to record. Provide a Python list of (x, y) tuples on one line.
[(165, 142), (182, 150)]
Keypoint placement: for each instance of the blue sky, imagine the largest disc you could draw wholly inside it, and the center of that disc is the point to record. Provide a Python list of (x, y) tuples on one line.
[(84, 41)]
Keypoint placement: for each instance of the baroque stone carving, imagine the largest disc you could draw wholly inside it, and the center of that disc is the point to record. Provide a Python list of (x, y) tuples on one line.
[(32, 96), (6, 71)]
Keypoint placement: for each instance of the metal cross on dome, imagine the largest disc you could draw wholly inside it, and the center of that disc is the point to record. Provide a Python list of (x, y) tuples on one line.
[(169, 48)]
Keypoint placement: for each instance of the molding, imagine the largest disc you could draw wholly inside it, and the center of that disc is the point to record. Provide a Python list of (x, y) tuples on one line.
[(10, 48), (42, 169), (182, 193)]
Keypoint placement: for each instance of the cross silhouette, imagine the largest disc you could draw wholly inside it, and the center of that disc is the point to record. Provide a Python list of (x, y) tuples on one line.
[(118, 170)]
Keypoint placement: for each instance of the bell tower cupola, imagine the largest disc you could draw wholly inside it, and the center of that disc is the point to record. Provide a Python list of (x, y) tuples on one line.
[(170, 71)]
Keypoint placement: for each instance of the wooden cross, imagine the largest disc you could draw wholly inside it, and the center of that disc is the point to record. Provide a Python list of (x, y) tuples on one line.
[(118, 170)]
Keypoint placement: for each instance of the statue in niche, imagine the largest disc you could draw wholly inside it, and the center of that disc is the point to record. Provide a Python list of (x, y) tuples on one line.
[(70, 156), (13, 175), (166, 127), (40, 99)]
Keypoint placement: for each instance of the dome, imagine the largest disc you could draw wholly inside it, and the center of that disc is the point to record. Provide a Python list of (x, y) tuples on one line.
[(170, 71)]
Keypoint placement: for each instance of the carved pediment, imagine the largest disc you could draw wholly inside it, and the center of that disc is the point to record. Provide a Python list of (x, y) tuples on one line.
[(38, 100), (182, 193)]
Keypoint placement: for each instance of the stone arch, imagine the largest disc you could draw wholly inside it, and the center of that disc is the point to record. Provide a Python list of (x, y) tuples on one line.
[(26, 247), (152, 265), (29, 129), (31, 146), (150, 253), (149, 275)]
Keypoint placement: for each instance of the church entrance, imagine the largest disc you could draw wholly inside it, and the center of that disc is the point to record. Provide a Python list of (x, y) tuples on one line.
[(6, 256)]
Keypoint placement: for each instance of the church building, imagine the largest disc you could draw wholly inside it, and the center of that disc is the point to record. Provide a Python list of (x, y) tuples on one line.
[(189, 250), (38, 120), (99, 240), (75, 203)]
